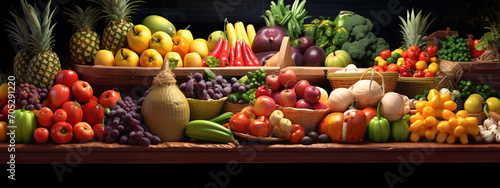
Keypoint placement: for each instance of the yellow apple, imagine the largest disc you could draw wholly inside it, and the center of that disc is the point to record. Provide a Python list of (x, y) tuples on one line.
[(161, 42), (213, 38), (199, 47), (186, 34), (175, 59), (138, 38), (105, 58), (151, 58), (192, 59), (126, 58)]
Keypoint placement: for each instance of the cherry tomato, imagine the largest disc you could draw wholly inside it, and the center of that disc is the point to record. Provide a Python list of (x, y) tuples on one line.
[(41, 135), (74, 110), (297, 133), (66, 77), (108, 98), (93, 113), (61, 132), (239, 122), (99, 132), (429, 74), (181, 45), (60, 115), (83, 132), (45, 117)]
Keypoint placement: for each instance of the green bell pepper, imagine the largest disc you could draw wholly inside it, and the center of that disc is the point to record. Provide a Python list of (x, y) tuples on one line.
[(400, 130), (23, 124), (379, 128)]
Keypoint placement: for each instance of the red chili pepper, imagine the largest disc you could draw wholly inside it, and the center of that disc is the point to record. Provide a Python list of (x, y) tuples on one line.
[(246, 57), (204, 62), (223, 54), (217, 50), (231, 60), (253, 58), (238, 57)]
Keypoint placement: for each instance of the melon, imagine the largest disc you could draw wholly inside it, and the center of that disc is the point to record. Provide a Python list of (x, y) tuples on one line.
[(339, 58), (158, 23)]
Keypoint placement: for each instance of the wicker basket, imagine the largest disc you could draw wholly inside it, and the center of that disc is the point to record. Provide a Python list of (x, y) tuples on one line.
[(205, 109), (480, 117), (346, 80), (309, 119), (451, 69), (233, 107)]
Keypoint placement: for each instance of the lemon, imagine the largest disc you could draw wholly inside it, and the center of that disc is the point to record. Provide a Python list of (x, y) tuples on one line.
[(104, 57), (192, 59)]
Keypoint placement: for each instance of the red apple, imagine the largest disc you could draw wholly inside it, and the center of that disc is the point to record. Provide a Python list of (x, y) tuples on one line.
[(300, 87), (319, 106), (66, 77), (275, 95), (248, 111), (108, 98), (82, 91), (273, 82), (312, 94), (287, 98), (264, 106), (58, 95), (302, 103), (287, 78)]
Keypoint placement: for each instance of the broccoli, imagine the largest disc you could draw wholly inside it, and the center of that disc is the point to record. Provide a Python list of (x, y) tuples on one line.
[(362, 44)]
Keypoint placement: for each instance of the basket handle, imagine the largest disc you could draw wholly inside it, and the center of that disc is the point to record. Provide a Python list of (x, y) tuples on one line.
[(371, 79)]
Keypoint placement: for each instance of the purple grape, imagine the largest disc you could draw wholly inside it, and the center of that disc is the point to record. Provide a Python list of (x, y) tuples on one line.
[(134, 122), (38, 106), (31, 100), (210, 92), (120, 128), (156, 140), (182, 87), (189, 77), (109, 128), (202, 94), (43, 96), (201, 85), (148, 135), (217, 96), (234, 80), (121, 103), (23, 95), (124, 139), (226, 91), (110, 138), (114, 133), (209, 85), (132, 140), (23, 102), (198, 76), (241, 89), (247, 87), (138, 135), (120, 112), (30, 107), (145, 141), (128, 98), (138, 128), (219, 79), (44, 90)]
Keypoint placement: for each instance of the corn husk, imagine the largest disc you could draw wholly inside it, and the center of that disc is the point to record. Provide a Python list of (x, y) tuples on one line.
[(165, 108)]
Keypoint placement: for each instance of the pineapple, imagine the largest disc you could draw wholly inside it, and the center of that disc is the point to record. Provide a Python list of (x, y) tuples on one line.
[(45, 63), (117, 13), (414, 28), (20, 33), (85, 42)]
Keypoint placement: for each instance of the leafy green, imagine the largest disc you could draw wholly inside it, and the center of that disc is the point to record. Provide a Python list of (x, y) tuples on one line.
[(212, 61)]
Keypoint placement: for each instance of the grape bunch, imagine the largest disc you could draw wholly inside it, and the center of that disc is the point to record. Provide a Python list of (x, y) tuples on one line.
[(30, 96), (246, 86), (126, 124), (197, 87)]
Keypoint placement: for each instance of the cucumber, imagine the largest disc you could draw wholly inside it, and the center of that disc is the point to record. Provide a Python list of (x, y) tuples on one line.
[(209, 75), (222, 118)]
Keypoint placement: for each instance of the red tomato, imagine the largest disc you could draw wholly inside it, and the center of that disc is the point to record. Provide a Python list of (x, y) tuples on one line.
[(423, 57), (45, 117), (41, 135), (385, 54), (258, 128), (264, 106), (66, 77), (58, 95), (418, 74), (414, 48), (432, 50), (60, 115), (83, 132), (93, 113), (108, 98), (412, 54), (429, 74), (99, 132), (61, 132), (74, 110), (297, 133), (412, 62), (239, 122), (392, 67), (82, 91), (378, 69)]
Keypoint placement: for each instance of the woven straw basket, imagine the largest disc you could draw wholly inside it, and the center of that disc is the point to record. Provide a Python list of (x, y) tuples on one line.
[(233, 107), (346, 80), (309, 119), (205, 109)]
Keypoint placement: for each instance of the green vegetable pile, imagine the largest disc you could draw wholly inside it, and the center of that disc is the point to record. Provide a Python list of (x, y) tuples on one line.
[(326, 34), (291, 20), (454, 49), (468, 87)]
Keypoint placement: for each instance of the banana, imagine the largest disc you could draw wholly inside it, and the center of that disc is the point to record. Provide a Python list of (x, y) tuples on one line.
[(204, 130), (251, 34), (231, 34)]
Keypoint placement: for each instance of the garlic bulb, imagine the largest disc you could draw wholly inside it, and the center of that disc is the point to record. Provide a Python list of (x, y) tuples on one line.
[(489, 122), (488, 136), (497, 138), (492, 128)]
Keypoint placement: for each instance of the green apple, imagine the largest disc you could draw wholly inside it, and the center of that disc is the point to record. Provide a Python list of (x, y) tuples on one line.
[(213, 38), (157, 23), (339, 58)]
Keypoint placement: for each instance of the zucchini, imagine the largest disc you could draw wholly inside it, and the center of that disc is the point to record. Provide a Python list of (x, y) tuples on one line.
[(209, 75), (222, 118)]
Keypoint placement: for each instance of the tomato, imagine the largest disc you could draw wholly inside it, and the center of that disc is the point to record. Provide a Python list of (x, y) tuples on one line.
[(93, 113), (181, 45), (412, 62), (378, 69), (414, 48), (41, 135), (392, 68), (297, 133), (58, 95), (83, 132), (60, 115), (82, 91), (385, 54), (419, 73), (108, 98), (61, 132), (239, 122), (45, 117), (263, 90), (66, 77), (99, 131), (74, 110), (423, 56), (432, 50), (3, 131), (412, 54), (429, 74), (259, 128), (405, 54)]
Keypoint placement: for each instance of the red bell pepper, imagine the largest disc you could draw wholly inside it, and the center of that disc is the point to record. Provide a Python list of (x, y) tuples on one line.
[(223, 54), (262, 90), (238, 56)]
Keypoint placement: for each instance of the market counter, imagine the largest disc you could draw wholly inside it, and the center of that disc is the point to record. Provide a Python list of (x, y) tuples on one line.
[(194, 152)]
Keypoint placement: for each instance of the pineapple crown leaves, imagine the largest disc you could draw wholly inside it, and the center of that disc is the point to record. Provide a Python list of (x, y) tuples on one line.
[(40, 25), (83, 19), (414, 28), (18, 30), (118, 10)]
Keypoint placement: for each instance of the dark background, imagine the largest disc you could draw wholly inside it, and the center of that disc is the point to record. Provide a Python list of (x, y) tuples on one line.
[(206, 16)]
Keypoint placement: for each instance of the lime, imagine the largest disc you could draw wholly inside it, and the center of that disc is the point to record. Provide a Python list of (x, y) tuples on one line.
[(396, 55), (391, 59)]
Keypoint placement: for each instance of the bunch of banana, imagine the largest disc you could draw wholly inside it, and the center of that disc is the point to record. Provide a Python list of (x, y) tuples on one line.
[(291, 20), (238, 32), (205, 130)]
